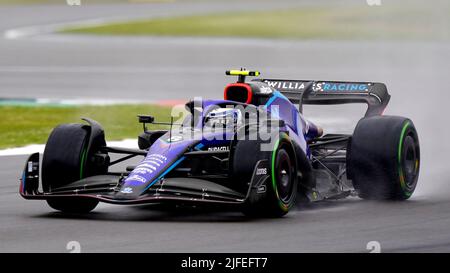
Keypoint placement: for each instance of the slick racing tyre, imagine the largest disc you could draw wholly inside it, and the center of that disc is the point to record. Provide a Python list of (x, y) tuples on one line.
[(280, 186), (384, 158), (66, 159)]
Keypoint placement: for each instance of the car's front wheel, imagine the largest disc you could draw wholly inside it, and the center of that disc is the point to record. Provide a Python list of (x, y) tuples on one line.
[(280, 188), (68, 158)]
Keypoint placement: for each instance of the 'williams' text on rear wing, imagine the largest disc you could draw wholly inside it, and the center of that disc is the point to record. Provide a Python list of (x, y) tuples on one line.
[(375, 95)]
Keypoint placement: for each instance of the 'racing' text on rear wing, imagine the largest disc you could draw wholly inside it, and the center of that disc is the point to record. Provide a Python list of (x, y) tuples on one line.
[(375, 95)]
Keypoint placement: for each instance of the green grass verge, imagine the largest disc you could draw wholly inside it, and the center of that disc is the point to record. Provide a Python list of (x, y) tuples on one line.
[(330, 22), (21, 125)]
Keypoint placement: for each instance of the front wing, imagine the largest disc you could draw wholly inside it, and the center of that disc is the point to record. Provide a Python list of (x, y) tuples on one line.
[(178, 190)]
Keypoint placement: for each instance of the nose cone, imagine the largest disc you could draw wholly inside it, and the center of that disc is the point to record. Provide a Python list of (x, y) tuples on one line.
[(163, 156)]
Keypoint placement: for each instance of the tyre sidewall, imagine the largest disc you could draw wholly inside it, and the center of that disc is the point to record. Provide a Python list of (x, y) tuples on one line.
[(375, 157)]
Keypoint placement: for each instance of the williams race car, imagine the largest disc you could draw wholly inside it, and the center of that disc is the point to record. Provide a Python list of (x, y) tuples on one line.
[(253, 151)]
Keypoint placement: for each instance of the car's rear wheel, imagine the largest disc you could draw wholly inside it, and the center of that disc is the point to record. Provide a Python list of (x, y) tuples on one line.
[(68, 158), (384, 158)]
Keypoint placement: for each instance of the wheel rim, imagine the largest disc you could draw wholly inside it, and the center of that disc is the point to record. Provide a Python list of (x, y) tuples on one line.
[(284, 176), (410, 164)]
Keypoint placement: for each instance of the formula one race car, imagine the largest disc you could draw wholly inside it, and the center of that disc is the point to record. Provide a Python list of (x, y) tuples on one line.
[(253, 151)]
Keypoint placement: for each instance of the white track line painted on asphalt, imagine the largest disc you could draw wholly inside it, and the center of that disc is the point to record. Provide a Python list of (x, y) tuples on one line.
[(39, 148), (24, 32)]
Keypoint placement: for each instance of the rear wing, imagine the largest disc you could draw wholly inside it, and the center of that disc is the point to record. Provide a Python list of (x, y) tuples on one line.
[(375, 95)]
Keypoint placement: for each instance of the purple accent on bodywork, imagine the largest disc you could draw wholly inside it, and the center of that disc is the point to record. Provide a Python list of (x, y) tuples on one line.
[(288, 112), (313, 131), (161, 156)]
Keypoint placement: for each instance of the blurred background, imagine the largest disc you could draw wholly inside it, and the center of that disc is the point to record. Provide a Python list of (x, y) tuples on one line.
[(113, 59)]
